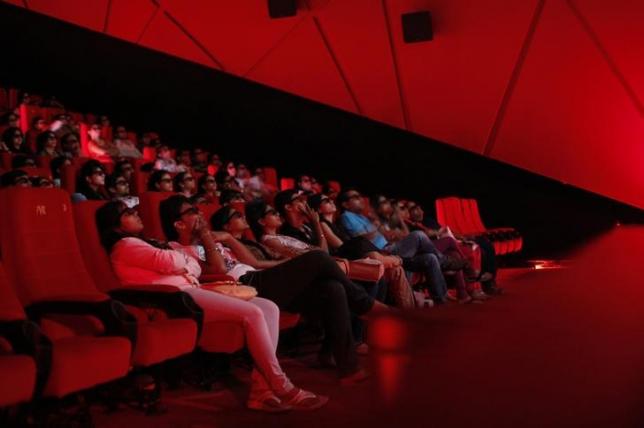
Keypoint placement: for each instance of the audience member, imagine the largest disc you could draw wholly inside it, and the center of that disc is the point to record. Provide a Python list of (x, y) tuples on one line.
[(184, 184), (160, 181), (91, 182)]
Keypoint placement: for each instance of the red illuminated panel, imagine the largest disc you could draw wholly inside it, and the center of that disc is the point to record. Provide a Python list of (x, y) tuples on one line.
[(618, 27), (301, 64), (238, 33), (163, 35), (358, 37), (453, 85), (570, 118), (128, 18)]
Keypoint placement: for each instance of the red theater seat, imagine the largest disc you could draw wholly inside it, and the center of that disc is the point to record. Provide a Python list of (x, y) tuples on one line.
[(50, 279), (149, 212), (174, 334), (17, 363), (287, 183), (462, 216)]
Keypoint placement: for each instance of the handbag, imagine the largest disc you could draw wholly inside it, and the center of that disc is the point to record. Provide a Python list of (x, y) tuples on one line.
[(366, 270), (231, 289)]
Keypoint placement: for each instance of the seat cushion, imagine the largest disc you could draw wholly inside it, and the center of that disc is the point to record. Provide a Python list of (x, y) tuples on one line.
[(161, 340), (18, 374), (221, 336), (83, 362)]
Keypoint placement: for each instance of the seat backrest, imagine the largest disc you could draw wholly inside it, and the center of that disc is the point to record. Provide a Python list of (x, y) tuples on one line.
[(441, 214), (208, 210), (10, 307), (5, 160), (476, 215), (287, 183), (27, 113), (465, 220), (34, 171), (270, 176), (454, 215), (68, 177), (139, 181), (39, 246), (149, 213), (96, 259)]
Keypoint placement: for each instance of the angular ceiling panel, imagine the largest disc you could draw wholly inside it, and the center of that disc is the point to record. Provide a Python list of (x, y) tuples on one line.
[(570, 118), (163, 35), (238, 33), (86, 13), (357, 35), (301, 64), (453, 85), (618, 27), (128, 18)]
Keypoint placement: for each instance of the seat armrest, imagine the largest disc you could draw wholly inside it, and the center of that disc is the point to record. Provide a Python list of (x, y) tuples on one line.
[(114, 316), (26, 338), (174, 302)]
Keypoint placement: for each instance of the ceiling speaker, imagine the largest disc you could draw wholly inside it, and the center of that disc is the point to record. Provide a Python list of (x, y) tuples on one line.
[(417, 27), (282, 8)]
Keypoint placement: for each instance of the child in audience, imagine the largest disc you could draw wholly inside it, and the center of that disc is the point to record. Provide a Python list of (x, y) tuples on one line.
[(164, 159)]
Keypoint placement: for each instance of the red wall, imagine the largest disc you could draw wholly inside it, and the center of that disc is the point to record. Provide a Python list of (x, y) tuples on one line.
[(552, 86)]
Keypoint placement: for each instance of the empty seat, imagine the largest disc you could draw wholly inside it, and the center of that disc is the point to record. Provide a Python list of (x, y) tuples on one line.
[(17, 363), (91, 333), (462, 216)]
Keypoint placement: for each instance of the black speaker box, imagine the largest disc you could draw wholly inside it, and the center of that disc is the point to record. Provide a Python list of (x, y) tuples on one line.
[(282, 8), (417, 27)]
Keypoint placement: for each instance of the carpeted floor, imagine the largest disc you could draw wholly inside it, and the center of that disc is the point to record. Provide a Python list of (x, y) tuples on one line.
[(562, 348)]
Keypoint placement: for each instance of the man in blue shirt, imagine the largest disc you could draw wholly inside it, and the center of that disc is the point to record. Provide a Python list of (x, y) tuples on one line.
[(416, 249)]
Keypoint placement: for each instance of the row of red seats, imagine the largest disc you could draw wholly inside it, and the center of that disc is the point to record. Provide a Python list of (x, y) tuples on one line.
[(67, 287), (463, 217)]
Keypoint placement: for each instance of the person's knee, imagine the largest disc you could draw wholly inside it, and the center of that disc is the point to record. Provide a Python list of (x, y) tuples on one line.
[(268, 307), (427, 260), (333, 292), (419, 236), (253, 315)]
